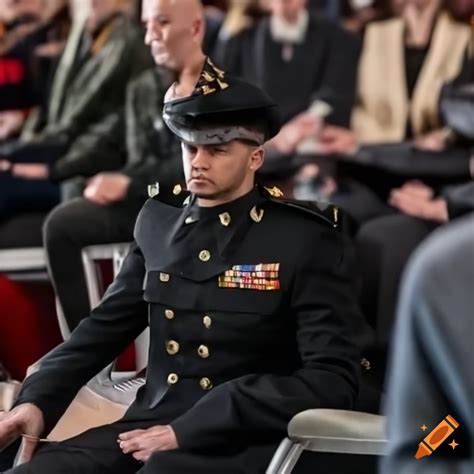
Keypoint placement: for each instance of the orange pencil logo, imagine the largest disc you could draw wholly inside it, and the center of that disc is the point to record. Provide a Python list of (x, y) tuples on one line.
[(437, 437)]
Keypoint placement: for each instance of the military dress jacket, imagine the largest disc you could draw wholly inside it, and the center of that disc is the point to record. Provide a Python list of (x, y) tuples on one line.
[(251, 312)]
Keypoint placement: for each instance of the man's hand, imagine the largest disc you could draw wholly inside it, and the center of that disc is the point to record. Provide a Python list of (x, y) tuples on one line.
[(337, 140), (107, 188), (30, 170), (5, 165), (11, 122), (437, 140), (293, 132), (26, 419), (141, 444), (416, 199)]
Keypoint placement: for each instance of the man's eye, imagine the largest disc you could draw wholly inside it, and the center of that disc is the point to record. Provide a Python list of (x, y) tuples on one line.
[(190, 149), (219, 150)]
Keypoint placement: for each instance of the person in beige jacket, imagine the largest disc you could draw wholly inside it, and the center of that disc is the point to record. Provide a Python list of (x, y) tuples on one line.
[(404, 63)]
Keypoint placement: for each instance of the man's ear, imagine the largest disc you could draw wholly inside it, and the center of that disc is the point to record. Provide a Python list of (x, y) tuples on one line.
[(257, 158), (197, 30)]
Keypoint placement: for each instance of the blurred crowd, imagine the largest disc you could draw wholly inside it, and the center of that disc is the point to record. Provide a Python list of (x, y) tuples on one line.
[(376, 97)]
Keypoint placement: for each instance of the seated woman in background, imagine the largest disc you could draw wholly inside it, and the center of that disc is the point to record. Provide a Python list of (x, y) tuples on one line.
[(404, 63)]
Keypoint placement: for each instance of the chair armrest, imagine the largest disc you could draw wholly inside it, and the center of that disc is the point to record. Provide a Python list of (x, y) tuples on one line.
[(339, 431)]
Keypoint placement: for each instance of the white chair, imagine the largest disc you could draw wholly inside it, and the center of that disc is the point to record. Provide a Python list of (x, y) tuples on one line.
[(22, 260), (332, 431)]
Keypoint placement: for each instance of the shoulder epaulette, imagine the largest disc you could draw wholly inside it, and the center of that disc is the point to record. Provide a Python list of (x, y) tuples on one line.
[(325, 211), (172, 195)]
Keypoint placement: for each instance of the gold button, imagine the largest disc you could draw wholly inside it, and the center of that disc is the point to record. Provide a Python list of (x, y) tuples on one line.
[(172, 347), (172, 379), (164, 277), (205, 383), (204, 255), (177, 190), (207, 321), (169, 313), (203, 351)]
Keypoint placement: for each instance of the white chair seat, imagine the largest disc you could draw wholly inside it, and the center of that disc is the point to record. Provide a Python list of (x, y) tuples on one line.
[(331, 431), (339, 431)]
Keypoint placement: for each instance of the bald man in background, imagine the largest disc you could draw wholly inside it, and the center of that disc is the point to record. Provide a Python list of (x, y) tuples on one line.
[(107, 210)]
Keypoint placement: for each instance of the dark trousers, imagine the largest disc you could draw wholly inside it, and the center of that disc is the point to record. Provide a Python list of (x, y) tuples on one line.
[(68, 229), (18, 195), (96, 452)]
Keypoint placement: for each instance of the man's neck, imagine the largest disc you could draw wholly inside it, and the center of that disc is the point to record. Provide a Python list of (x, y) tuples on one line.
[(189, 74)]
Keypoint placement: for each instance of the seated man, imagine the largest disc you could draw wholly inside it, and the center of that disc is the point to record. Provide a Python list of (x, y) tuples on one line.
[(88, 88), (112, 200), (246, 330)]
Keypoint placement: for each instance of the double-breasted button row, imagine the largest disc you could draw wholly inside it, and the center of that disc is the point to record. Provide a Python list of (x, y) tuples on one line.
[(205, 383), (206, 320), (172, 348)]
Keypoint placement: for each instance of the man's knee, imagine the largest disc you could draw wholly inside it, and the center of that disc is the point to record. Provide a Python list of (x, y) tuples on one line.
[(163, 462), (65, 221)]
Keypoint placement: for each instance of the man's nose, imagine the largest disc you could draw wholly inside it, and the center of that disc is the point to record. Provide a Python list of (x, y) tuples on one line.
[(153, 32), (201, 160)]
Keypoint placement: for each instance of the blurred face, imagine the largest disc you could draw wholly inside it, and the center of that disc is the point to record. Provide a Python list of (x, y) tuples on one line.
[(221, 173), (288, 10), (174, 28), (100, 10)]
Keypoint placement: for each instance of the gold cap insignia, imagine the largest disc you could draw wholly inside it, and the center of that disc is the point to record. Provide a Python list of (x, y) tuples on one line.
[(212, 79), (256, 215), (153, 189), (275, 192)]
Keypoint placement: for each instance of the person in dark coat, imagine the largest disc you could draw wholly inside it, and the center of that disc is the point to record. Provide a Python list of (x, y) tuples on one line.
[(250, 306), (431, 374)]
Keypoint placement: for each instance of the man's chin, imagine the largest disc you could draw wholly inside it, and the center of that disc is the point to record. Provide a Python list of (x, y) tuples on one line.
[(163, 60), (201, 192)]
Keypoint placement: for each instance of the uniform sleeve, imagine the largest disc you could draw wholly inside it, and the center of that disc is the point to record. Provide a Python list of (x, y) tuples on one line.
[(97, 341), (257, 408)]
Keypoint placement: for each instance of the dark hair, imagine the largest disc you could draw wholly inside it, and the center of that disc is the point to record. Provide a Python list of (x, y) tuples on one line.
[(460, 10)]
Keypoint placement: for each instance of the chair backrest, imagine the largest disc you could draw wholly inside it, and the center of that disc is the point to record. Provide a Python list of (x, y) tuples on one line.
[(117, 253)]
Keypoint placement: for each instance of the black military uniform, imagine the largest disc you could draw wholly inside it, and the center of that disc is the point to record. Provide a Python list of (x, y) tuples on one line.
[(251, 313)]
